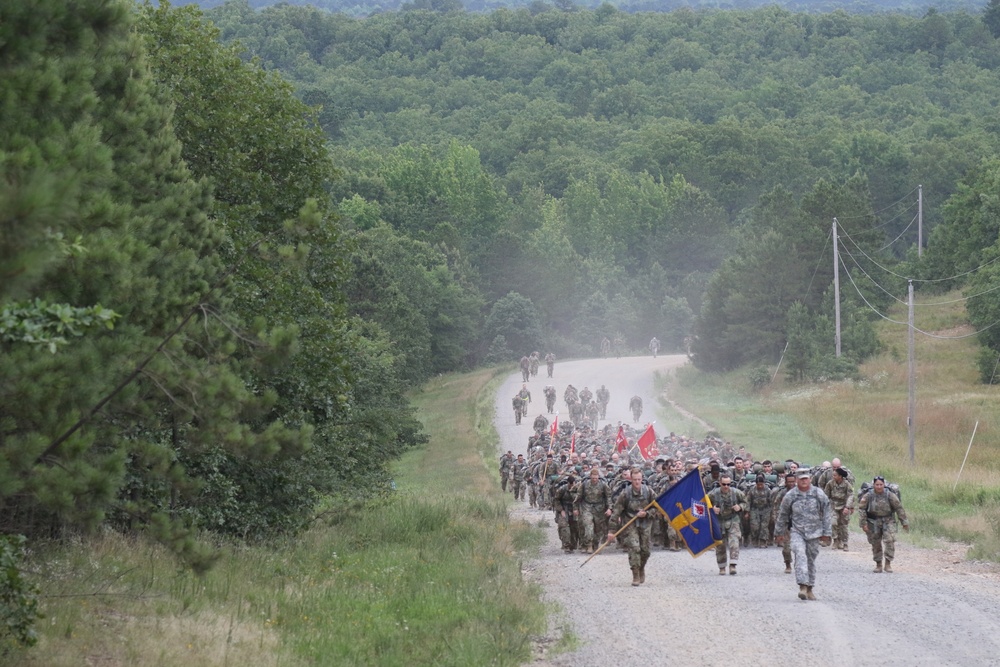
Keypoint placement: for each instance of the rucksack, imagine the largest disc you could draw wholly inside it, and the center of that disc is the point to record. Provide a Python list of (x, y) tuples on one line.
[(870, 486)]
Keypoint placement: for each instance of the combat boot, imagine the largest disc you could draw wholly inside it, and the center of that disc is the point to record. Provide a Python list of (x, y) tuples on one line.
[(802, 592), (809, 593), (844, 547), (836, 544), (635, 576), (878, 567), (888, 565), (589, 550), (722, 571), (788, 567), (642, 574), (732, 569)]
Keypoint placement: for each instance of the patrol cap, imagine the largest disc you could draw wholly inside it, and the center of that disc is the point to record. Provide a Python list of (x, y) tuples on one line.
[(802, 472)]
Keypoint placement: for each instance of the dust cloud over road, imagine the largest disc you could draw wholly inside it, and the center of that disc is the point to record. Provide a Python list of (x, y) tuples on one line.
[(936, 609)]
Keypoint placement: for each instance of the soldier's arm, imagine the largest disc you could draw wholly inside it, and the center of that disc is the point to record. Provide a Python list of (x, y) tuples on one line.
[(863, 512), (897, 507)]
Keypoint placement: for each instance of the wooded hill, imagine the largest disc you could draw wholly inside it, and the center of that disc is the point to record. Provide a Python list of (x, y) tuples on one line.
[(626, 172), (369, 7)]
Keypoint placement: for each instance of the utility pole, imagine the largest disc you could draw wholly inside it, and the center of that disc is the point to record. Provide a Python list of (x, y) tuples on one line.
[(920, 221), (836, 287), (911, 415)]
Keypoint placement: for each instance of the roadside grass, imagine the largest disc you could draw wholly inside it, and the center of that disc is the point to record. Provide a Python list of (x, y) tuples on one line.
[(865, 424), (429, 576)]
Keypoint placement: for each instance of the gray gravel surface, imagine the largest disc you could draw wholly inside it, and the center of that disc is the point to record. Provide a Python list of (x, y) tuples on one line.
[(937, 608)]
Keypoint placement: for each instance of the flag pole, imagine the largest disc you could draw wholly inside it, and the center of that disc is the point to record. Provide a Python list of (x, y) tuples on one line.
[(607, 542)]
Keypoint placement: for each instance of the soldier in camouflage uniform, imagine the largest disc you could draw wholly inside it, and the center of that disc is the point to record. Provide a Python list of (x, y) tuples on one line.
[(728, 503), (525, 365), (533, 480), (603, 398), (576, 412), (593, 501), (505, 462), (877, 512), (759, 506), (593, 413), (550, 398), (806, 519), (635, 405), (776, 497), (586, 395), (566, 514), (540, 424), (841, 495), (550, 362), (518, 472), (519, 408), (632, 503)]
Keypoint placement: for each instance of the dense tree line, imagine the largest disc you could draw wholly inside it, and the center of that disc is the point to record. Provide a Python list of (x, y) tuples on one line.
[(369, 7), (650, 173), (178, 354)]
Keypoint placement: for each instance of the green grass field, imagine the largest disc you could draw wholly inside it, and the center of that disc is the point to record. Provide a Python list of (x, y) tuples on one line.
[(865, 424), (429, 577)]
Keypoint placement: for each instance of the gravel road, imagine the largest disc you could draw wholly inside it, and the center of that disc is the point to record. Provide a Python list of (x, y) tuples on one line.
[(936, 609)]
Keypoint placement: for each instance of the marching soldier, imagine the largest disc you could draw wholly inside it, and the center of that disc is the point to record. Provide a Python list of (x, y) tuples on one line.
[(841, 494), (877, 512), (728, 503)]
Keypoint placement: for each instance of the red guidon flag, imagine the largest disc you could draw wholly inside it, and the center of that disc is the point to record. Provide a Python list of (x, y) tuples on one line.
[(572, 444), (621, 442), (555, 427), (646, 441)]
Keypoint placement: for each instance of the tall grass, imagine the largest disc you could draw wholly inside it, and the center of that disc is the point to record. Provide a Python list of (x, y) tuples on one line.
[(865, 424), (430, 576)]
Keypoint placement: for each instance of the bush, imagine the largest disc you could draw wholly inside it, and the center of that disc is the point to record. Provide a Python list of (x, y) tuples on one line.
[(18, 597), (759, 377), (988, 368)]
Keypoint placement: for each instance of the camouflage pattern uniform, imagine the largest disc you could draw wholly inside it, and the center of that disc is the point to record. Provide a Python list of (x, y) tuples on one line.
[(540, 423), (635, 405), (777, 495), (842, 497), (550, 398), (533, 364), (636, 536), (534, 477), (576, 413), (724, 499), (525, 365), (759, 505), (603, 398), (505, 462), (562, 503), (593, 500), (593, 413), (550, 362), (879, 512), (518, 408), (804, 517), (518, 472)]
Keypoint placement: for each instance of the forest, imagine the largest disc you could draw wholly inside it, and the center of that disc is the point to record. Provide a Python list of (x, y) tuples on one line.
[(231, 242)]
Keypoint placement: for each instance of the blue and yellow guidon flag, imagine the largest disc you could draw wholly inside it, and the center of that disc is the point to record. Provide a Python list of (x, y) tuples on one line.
[(688, 509)]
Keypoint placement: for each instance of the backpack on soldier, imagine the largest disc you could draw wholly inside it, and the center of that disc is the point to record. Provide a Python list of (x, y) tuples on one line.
[(870, 486)]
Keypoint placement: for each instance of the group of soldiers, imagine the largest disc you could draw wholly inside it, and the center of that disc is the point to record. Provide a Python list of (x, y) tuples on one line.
[(593, 489), (585, 407)]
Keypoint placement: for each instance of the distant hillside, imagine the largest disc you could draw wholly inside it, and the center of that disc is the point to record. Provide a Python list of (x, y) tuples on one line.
[(366, 7)]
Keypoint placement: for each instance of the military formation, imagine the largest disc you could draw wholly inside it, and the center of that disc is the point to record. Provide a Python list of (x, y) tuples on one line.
[(594, 479)]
